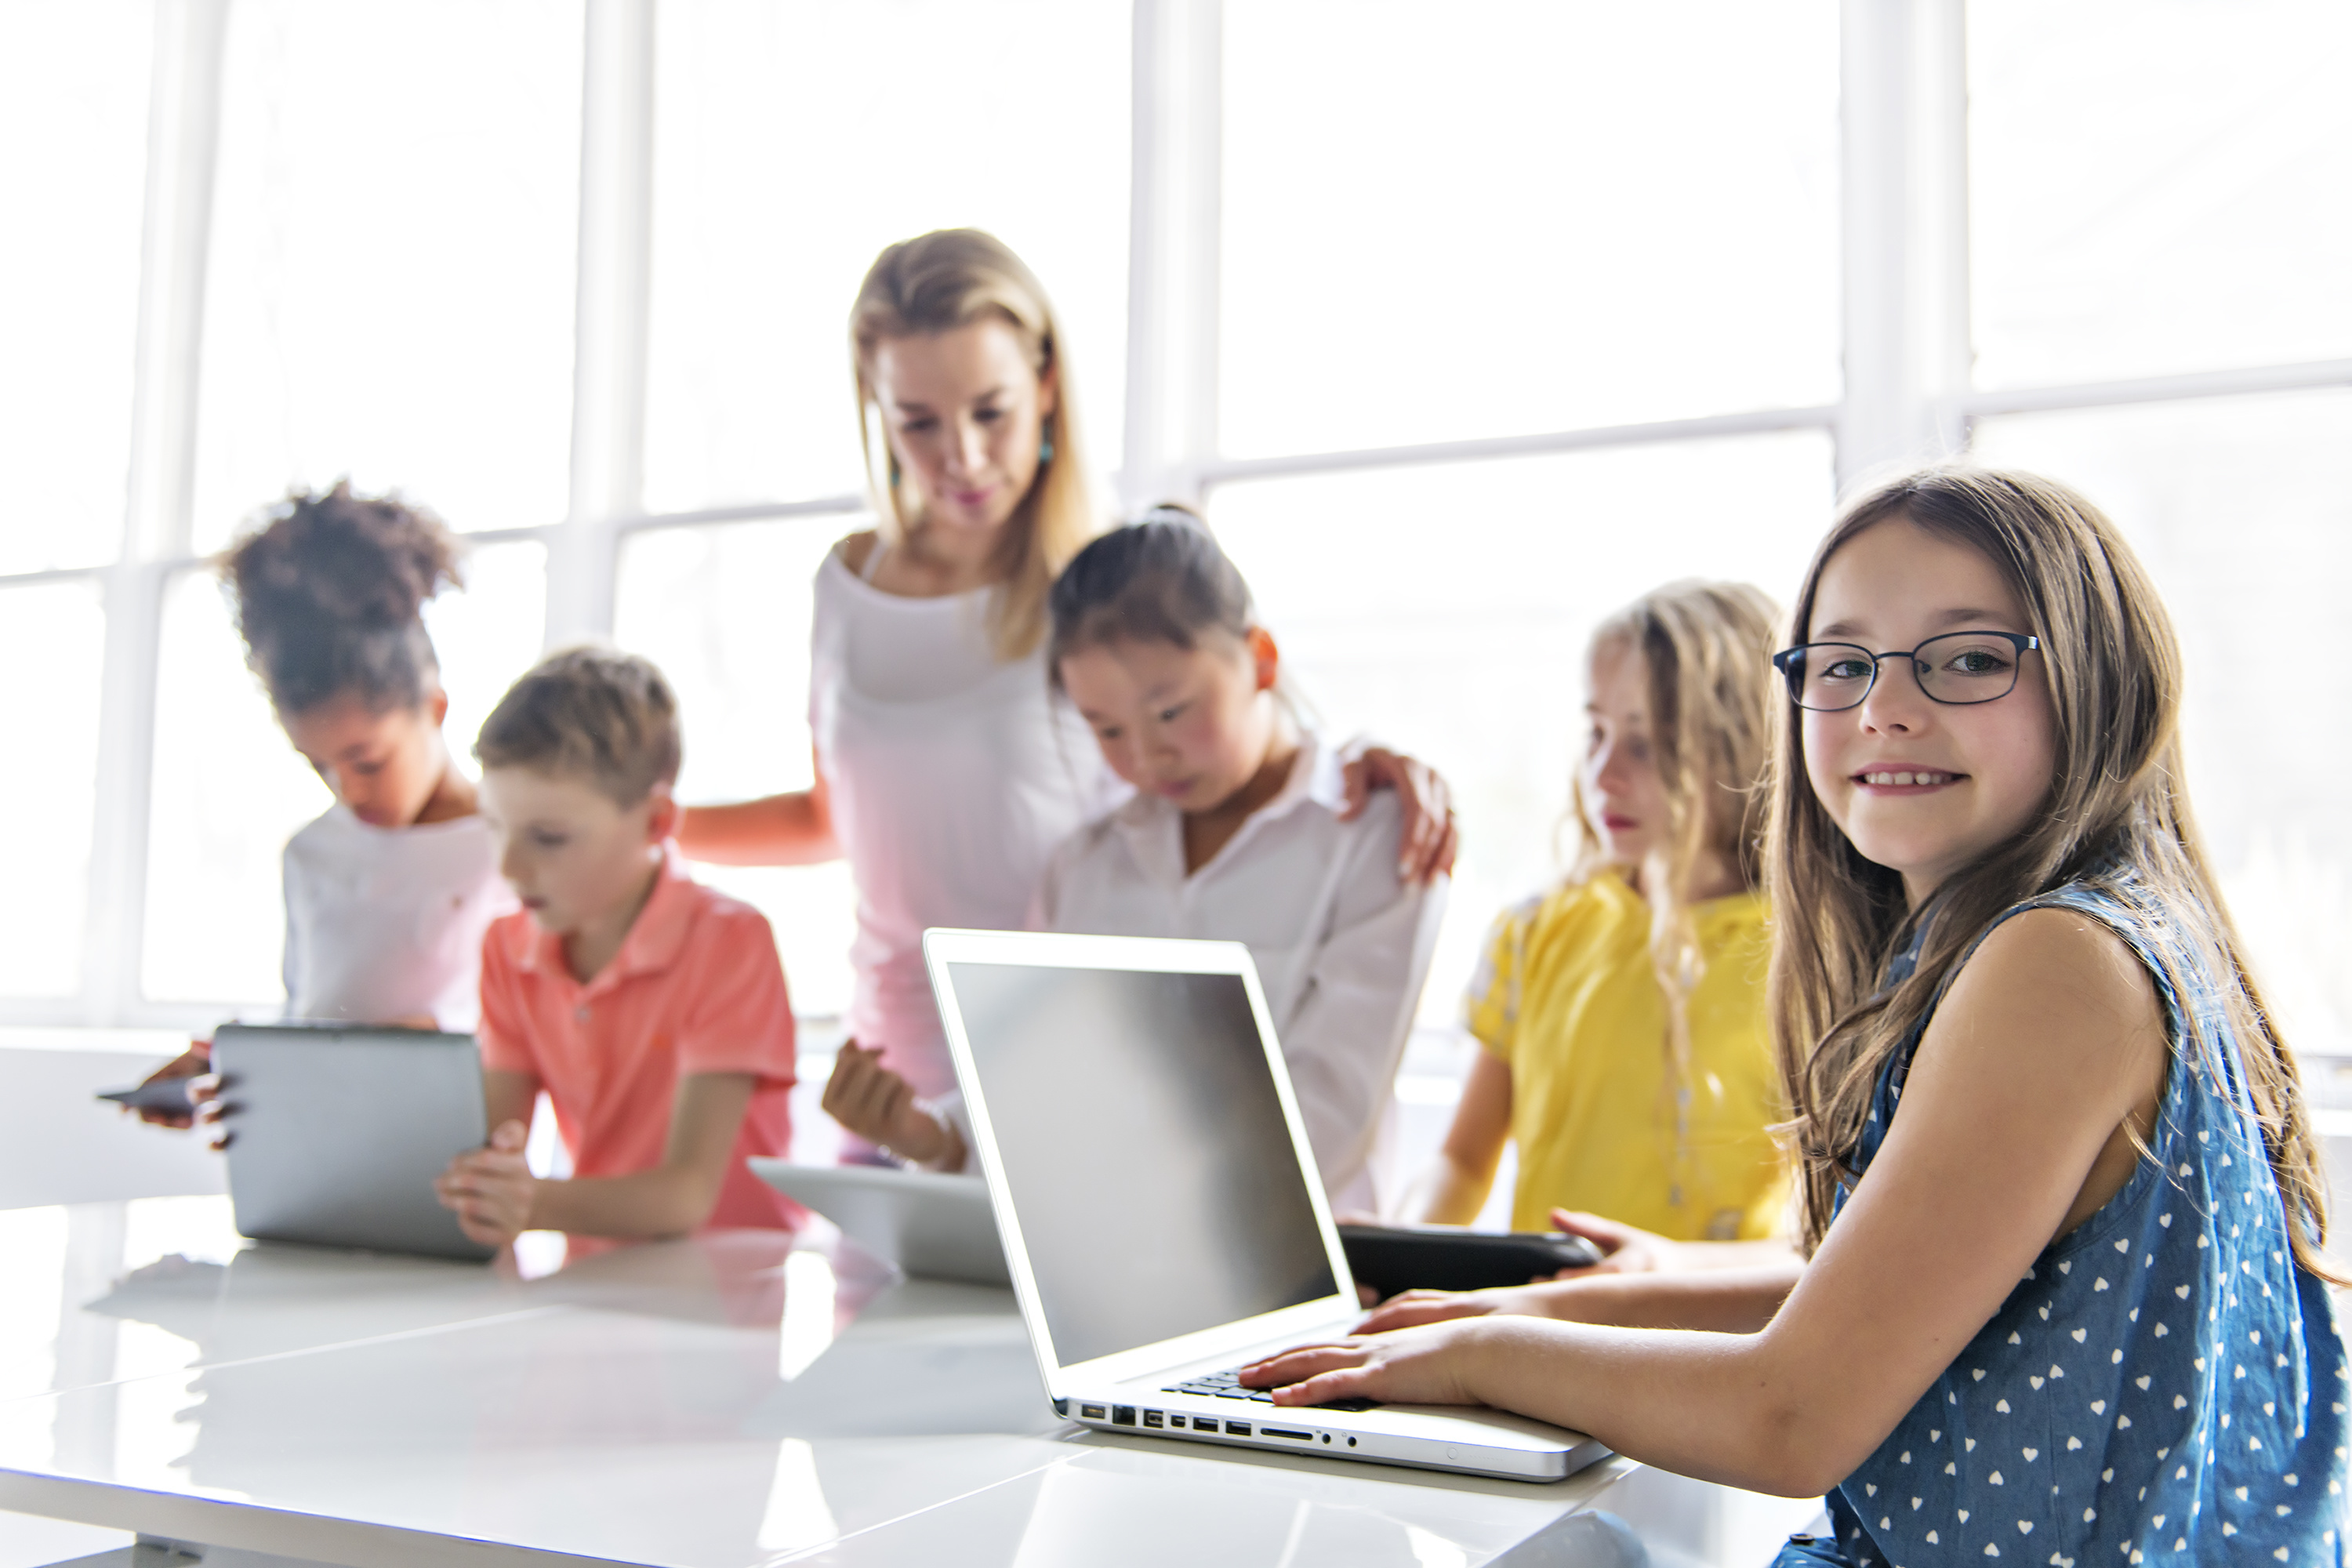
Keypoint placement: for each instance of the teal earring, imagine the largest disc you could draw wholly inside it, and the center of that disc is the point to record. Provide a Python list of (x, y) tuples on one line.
[(1046, 449), (895, 475)]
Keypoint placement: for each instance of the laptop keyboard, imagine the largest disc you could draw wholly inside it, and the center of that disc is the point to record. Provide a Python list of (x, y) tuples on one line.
[(1228, 1386)]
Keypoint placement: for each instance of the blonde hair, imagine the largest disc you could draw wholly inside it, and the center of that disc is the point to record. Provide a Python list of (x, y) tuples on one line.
[(2116, 804), (1707, 651), (936, 283)]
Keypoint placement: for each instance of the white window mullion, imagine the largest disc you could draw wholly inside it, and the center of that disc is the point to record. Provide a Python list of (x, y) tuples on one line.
[(1903, 138), (1173, 250), (608, 410), (184, 121)]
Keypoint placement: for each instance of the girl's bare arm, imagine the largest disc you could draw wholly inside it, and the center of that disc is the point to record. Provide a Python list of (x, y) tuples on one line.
[(1454, 1187), (1727, 1299), (2016, 1125)]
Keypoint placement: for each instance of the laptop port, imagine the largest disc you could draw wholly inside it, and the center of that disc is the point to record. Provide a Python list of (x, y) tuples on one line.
[(1237, 1429), (1122, 1414), (1285, 1432), (1090, 1412), (1152, 1419)]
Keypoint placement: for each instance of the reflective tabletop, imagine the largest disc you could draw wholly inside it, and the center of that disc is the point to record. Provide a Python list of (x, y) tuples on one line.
[(731, 1399)]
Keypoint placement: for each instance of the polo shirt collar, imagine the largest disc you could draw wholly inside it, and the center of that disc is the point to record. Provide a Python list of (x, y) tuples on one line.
[(655, 938)]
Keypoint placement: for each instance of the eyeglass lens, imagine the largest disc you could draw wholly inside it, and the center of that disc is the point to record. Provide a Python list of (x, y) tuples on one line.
[(1959, 667)]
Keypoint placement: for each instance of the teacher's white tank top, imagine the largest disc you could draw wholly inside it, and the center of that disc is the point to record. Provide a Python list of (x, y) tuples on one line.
[(952, 777)]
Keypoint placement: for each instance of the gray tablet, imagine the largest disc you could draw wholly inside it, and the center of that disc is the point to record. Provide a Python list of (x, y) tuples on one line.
[(930, 1226), (335, 1135)]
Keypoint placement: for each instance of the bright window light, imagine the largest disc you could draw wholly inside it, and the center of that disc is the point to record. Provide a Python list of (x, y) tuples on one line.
[(1445, 222), (2158, 187), (73, 153), (1446, 611), (793, 142), (2219, 498), (724, 611), (394, 237), (53, 634)]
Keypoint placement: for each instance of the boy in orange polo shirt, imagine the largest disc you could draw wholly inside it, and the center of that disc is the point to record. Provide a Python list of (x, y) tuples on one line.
[(651, 1010)]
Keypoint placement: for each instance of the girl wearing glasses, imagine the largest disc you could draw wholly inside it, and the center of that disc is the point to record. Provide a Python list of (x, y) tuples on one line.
[(2065, 1299), (1621, 1014)]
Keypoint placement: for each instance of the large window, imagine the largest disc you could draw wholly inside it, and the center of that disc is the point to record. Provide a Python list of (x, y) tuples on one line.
[(1463, 325), (388, 294), (2156, 185), (58, 630), (792, 142), (1450, 222), (73, 133)]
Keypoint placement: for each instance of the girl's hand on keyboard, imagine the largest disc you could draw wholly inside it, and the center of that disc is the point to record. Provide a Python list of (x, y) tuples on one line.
[(1433, 1364)]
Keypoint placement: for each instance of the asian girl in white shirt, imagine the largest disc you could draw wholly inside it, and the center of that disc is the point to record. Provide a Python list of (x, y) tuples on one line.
[(1234, 832)]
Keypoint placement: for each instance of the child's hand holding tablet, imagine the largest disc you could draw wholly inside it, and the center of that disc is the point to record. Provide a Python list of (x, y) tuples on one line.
[(491, 1189)]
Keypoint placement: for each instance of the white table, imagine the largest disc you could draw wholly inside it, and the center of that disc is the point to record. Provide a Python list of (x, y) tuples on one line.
[(731, 1399)]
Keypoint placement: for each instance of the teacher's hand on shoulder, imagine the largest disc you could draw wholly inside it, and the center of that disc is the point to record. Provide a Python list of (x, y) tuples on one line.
[(1429, 840)]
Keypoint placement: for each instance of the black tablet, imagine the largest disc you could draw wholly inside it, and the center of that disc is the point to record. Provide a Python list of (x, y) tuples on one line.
[(166, 1094), (1391, 1258)]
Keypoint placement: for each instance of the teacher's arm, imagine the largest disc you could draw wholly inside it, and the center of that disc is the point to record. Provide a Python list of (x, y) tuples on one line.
[(792, 829)]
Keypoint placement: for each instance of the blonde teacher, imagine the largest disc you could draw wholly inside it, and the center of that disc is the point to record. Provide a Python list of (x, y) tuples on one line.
[(945, 769)]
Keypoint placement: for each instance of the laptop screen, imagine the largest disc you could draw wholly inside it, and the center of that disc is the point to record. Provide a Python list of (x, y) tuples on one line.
[(1141, 1135)]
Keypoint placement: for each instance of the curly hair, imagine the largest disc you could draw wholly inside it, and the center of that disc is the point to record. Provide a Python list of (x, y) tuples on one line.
[(329, 594)]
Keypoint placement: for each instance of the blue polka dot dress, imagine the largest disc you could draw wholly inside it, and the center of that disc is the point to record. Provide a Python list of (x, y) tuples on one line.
[(2164, 1384)]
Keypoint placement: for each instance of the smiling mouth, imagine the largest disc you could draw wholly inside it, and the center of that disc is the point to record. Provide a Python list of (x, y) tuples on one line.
[(1915, 778)]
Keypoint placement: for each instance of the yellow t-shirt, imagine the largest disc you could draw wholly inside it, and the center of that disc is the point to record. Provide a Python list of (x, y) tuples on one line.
[(1567, 996)]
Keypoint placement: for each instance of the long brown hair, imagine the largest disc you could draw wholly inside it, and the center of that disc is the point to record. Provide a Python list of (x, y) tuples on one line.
[(2117, 803), (935, 283), (1705, 650)]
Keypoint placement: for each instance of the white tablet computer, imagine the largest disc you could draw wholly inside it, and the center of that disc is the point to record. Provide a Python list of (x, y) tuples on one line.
[(335, 1135), (930, 1226)]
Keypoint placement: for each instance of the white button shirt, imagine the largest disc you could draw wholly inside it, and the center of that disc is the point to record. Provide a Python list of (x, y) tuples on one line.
[(1342, 944)]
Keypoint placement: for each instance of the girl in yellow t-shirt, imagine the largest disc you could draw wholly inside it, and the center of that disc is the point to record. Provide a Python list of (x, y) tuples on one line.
[(1622, 1015)]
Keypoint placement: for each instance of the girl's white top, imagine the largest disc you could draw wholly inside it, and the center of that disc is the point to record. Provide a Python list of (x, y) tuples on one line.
[(951, 776), (1342, 942), (386, 923)]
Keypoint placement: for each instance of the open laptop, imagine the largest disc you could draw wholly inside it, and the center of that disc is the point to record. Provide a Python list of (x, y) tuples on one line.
[(336, 1133), (1160, 1208), (930, 1226)]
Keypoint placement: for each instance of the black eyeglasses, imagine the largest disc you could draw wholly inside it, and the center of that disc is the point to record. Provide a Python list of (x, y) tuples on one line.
[(1958, 668)]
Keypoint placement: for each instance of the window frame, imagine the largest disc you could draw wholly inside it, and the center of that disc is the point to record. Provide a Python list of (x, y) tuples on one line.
[(1904, 318)]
